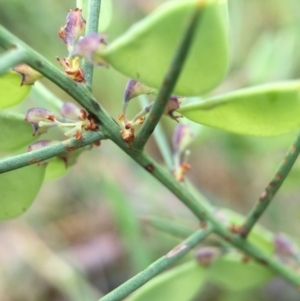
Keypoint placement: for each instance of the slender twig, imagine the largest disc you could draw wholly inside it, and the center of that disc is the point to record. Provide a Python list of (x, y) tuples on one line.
[(169, 81), (205, 212), (157, 267), (11, 59), (48, 152), (91, 27), (160, 138), (268, 194), (168, 226)]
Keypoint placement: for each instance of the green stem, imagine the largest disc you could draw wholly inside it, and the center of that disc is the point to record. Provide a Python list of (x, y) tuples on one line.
[(157, 267), (91, 27), (168, 226), (48, 152), (268, 194), (205, 212), (160, 138), (11, 59), (169, 81)]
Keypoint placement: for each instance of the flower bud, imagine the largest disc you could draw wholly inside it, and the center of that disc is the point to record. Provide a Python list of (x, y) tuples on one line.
[(206, 255), (182, 137), (284, 245), (74, 28), (134, 89), (88, 46)]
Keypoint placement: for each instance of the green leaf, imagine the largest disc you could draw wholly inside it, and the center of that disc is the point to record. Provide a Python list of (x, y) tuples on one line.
[(11, 93), (179, 284), (145, 50), (231, 272), (266, 110), (56, 168), (14, 131), (18, 189)]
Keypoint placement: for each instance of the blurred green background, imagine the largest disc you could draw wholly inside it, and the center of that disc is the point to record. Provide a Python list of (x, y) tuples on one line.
[(86, 232)]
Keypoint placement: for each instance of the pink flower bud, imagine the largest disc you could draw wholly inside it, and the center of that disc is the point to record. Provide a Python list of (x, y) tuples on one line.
[(134, 89), (88, 46), (74, 28)]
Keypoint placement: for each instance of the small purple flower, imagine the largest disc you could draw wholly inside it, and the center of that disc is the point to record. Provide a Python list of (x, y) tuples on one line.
[(71, 117), (41, 120), (39, 144), (173, 105), (284, 245), (71, 111), (206, 255), (134, 89), (182, 137), (88, 46), (74, 28)]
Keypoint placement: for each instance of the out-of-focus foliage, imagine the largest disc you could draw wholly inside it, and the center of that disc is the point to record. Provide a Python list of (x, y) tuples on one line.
[(76, 217), (10, 92)]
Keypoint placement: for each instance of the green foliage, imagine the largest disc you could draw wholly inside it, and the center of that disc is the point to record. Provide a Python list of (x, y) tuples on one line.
[(56, 169), (144, 51), (233, 274), (267, 110), (15, 132), (11, 93), (18, 190), (179, 284)]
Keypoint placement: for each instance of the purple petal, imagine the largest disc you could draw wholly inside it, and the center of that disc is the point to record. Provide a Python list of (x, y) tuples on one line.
[(87, 47), (71, 111), (206, 255), (284, 245), (38, 145), (35, 115), (134, 89), (172, 105), (182, 137), (74, 28)]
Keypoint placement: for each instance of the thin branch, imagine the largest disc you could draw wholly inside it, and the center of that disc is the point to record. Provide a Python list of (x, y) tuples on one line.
[(160, 137), (157, 267), (48, 152), (168, 226), (91, 27), (268, 194), (11, 59), (204, 212), (169, 81)]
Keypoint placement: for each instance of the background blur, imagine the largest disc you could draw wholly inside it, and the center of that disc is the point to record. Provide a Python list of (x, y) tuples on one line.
[(86, 232)]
